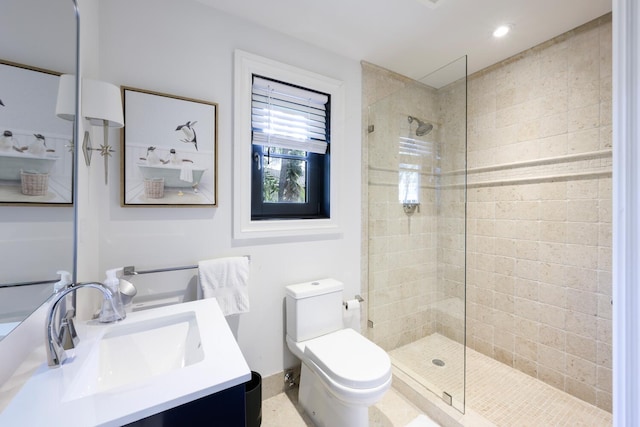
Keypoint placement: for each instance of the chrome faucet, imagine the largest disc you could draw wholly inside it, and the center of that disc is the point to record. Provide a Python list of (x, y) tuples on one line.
[(54, 344)]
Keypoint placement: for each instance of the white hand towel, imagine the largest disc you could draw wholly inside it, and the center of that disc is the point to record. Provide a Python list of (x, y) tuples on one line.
[(226, 280), (186, 172)]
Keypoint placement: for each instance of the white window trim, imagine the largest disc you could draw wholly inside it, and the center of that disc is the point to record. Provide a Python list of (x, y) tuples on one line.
[(246, 65)]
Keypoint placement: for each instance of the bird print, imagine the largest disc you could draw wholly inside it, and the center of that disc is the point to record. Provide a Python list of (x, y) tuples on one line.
[(39, 146), (1, 103), (189, 132)]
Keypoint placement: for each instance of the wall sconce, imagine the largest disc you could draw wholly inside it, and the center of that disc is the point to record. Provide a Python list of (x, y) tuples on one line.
[(101, 105)]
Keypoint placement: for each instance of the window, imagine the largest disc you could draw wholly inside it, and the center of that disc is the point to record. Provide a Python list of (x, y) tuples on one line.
[(290, 140), (293, 174)]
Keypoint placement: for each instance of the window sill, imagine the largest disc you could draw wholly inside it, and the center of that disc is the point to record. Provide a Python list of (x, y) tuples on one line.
[(285, 228)]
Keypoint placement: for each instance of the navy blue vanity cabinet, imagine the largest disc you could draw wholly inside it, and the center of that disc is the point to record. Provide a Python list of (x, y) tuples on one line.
[(222, 409)]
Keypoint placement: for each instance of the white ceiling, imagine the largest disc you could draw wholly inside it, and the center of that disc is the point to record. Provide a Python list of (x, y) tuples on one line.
[(417, 37)]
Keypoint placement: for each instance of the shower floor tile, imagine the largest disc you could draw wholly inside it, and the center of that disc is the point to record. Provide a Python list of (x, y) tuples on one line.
[(502, 395), (417, 360)]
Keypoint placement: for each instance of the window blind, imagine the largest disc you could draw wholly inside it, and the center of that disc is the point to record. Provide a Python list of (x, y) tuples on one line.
[(288, 117)]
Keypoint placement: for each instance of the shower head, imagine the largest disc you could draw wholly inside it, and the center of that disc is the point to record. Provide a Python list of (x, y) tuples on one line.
[(423, 128)]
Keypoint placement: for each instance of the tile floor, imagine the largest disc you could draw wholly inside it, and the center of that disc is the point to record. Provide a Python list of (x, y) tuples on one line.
[(392, 411), (501, 395), (496, 394)]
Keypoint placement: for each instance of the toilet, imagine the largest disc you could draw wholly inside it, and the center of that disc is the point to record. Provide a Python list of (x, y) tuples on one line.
[(343, 373)]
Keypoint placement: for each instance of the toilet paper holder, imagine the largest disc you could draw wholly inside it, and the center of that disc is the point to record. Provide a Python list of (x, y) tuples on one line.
[(357, 298)]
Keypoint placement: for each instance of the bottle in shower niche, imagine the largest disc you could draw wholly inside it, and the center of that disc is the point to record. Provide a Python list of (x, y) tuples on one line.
[(112, 310)]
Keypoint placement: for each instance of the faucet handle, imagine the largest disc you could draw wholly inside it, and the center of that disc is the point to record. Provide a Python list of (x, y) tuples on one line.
[(68, 335), (67, 331)]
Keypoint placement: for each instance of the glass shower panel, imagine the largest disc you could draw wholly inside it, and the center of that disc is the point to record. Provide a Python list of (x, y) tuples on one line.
[(416, 166)]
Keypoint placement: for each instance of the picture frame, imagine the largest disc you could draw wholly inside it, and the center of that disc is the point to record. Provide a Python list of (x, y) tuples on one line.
[(168, 150), (36, 146)]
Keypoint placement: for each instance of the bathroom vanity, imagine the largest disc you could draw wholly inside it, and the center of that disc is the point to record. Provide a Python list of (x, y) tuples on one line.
[(173, 365)]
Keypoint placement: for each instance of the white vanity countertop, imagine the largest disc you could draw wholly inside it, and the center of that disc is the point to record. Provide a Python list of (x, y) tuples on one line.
[(5, 328), (41, 400)]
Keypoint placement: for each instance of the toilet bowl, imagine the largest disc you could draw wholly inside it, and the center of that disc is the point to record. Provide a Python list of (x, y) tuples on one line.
[(343, 373)]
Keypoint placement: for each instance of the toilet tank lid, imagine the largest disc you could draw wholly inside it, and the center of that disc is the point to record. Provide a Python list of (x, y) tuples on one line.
[(314, 287)]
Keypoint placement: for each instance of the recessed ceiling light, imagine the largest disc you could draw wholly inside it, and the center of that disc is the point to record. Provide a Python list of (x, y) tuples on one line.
[(501, 31)]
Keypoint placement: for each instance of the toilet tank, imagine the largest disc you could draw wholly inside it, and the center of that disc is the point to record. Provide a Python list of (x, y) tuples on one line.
[(313, 309)]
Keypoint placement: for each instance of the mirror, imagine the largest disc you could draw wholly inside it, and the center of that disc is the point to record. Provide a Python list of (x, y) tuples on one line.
[(36, 162), (38, 41)]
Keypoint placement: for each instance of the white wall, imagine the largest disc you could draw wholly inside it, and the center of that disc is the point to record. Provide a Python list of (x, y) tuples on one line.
[(185, 48)]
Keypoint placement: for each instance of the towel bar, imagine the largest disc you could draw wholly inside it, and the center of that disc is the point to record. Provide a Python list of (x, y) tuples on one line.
[(37, 282), (131, 270)]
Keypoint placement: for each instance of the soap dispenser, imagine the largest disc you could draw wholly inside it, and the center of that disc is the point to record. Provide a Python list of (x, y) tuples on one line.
[(112, 312), (65, 280)]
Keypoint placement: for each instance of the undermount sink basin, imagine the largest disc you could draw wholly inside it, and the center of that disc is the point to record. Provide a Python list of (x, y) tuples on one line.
[(150, 362), (133, 353)]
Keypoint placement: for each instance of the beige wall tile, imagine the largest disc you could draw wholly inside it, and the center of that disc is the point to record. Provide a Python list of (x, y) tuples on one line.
[(585, 233), (553, 316), (525, 365), (551, 376), (553, 337), (583, 302), (581, 256), (581, 324), (604, 355), (554, 124), (551, 358), (584, 279), (580, 390), (552, 273), (581, 370), (581, 347), (527, 289), (605, 308), (583, 141), (583, 210), (604, 400), (551, 296)]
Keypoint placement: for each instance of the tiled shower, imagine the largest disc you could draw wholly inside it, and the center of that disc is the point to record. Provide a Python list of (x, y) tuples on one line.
[(535, 232)]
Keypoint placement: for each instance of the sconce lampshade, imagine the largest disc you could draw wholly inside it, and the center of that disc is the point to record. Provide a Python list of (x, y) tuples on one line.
[(66, 102), (102, 103)]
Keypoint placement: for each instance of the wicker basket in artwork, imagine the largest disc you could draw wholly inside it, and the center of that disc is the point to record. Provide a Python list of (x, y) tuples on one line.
[(34, 184), (154, 188)]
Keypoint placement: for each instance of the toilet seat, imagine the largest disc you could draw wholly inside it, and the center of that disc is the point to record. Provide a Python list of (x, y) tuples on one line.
[(348, 395), (349, 359)]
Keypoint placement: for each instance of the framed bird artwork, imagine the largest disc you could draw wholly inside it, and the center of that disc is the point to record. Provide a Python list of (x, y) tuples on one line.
[(36, 159), (169, 150)]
